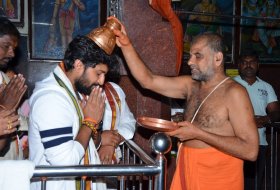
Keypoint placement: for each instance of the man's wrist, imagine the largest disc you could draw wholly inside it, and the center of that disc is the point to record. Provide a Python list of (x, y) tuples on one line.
[(91, 125), (98, 141)]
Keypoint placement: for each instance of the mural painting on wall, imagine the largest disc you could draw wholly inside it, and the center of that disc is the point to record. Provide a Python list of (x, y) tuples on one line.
[(194, 23), (261, 35), (13, 10), (55, 23)]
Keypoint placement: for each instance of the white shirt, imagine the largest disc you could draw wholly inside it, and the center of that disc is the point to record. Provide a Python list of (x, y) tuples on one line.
[(54, 124)]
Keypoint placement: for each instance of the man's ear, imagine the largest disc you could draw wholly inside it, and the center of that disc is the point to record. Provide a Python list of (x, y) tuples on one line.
[(78, 64), (219, 58)]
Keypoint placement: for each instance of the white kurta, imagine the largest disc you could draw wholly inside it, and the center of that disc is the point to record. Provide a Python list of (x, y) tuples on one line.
[(54, 124)]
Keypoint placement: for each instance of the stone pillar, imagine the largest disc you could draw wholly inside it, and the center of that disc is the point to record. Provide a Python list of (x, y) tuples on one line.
[(153, 39)]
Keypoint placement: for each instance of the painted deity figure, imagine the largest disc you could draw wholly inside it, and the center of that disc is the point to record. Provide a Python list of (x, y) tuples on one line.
[(266, 28), (193, 29), (66, 13), (8, 8), (250, 8)]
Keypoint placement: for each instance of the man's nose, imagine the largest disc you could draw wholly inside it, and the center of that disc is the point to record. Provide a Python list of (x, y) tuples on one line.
[(248, 64), (190, 61), (11, 52), (101, 80)]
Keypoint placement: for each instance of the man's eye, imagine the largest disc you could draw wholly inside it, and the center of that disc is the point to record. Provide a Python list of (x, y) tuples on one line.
[(5, 47), (198, 56)]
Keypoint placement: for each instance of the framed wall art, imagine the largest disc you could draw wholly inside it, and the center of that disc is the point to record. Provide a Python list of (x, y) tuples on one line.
[(55, 23), (260, 29), (198, 16), (14, 10)]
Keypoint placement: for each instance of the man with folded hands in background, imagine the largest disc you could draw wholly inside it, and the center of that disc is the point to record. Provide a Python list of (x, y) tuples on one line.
[(11, 92)]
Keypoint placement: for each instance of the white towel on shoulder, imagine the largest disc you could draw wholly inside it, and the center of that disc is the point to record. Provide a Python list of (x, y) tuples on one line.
[(16, 174)]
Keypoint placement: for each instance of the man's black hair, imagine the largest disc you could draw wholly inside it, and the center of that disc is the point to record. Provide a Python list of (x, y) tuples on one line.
[(8, 28), (84, 49), (248, 53)]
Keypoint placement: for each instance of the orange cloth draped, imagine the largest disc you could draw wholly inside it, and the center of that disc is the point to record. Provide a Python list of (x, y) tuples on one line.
[(111, 94), (163, 7), (207, 169)]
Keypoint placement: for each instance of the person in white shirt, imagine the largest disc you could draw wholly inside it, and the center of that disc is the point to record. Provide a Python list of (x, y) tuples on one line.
[(266, 109), (118, 122), (62, 123)]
